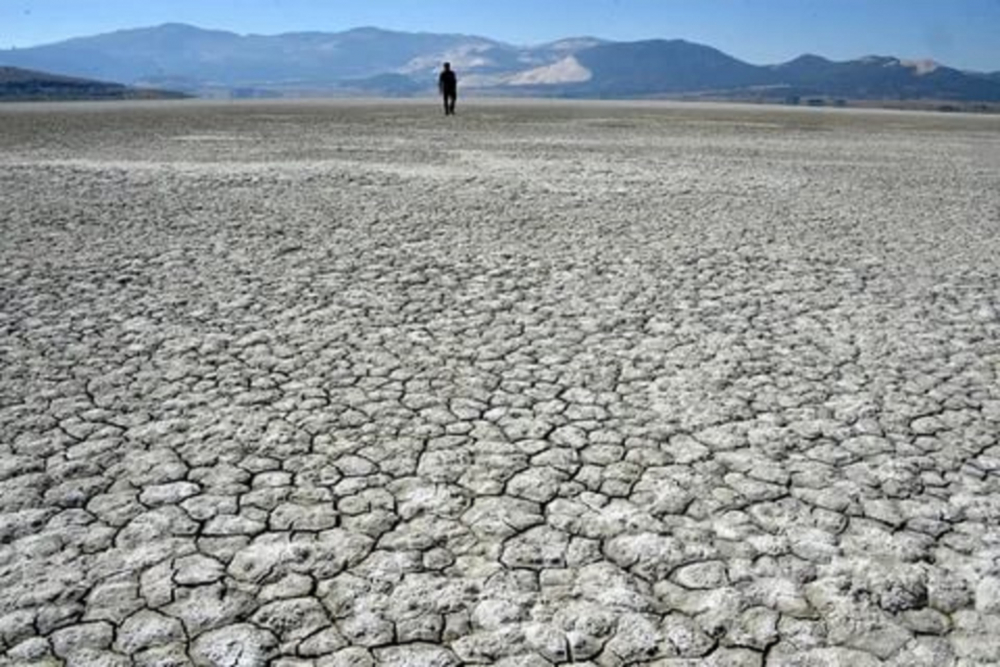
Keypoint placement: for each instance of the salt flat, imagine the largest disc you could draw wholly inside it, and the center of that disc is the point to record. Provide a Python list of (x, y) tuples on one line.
[(351, 383)]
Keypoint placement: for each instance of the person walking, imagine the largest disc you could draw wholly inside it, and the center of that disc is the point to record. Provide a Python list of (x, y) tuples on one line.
[(448, 86)]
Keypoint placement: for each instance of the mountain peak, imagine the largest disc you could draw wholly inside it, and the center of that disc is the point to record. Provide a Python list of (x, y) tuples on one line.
[(369, 31), (178, 27), (808, 59), (164, 31), (176, 30)]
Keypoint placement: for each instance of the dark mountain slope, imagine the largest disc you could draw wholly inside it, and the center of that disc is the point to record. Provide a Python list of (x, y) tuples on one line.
[(660, 66), (18, 84)]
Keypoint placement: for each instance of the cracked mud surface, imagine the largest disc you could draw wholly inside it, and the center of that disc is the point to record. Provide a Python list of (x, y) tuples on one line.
[(335, 384)]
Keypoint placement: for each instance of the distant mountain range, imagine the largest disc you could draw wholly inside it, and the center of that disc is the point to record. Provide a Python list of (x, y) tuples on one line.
[(372, 61), (24, 85)]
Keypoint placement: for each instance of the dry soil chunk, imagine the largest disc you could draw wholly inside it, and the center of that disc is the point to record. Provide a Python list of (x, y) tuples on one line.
[(240, 645)]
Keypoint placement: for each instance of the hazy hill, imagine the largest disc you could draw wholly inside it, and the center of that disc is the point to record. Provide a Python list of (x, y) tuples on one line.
[(18, 84), (215, 57), (660, 66), (884, 77), (372, 61)]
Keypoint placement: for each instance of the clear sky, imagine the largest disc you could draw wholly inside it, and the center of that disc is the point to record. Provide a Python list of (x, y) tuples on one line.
[(960, 33)]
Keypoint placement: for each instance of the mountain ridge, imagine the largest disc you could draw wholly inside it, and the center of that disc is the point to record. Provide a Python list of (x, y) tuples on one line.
[(23, 85), (373, 60)]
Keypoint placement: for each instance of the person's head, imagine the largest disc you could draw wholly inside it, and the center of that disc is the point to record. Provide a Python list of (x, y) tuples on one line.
[(447, 67)]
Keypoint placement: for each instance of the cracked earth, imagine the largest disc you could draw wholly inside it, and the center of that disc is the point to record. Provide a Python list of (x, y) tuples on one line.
[(339, 384)]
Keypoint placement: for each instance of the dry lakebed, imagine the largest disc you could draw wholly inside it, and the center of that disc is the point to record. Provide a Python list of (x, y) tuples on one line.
[(350, 383)]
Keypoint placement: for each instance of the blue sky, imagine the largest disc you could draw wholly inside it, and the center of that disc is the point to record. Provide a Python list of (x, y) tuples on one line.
[(961, 33)]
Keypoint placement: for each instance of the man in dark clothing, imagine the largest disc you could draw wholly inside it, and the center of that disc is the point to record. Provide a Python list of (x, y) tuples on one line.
[(448, 85)]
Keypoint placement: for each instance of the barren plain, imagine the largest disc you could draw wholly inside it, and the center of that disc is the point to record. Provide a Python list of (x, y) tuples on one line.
[(351, 383)]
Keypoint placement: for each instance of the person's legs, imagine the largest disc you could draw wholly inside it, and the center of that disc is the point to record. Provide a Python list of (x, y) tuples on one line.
[(450, 103)]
